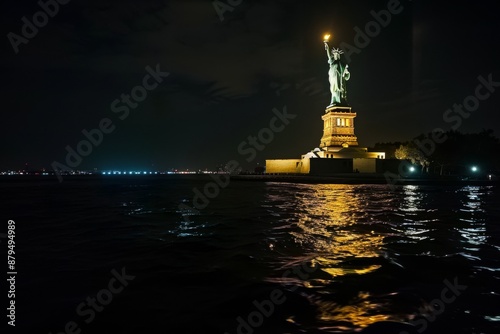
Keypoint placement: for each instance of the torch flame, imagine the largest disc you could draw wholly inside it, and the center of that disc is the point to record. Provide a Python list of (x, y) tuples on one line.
[(327, 37)]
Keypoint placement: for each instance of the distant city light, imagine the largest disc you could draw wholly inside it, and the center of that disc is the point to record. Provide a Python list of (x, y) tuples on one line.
[(109, 172)]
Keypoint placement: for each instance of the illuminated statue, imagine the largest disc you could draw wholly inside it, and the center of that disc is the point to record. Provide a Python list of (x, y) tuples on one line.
[(338, 75)]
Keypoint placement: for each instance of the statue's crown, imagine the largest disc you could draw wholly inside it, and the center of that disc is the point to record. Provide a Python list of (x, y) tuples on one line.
[(339, 51)]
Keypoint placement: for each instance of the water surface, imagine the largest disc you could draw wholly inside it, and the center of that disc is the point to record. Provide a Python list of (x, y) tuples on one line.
[(344, 258)]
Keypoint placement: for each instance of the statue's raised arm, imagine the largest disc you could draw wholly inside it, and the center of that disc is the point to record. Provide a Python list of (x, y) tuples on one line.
[(328, 53)]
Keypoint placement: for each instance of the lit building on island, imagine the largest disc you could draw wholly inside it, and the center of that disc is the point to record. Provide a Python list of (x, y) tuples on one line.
[(338, 151)]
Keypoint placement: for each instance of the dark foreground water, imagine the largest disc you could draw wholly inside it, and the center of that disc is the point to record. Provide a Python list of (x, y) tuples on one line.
[(260, 258)]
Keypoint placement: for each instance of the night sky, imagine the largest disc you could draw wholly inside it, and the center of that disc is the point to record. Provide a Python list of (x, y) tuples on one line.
[(225, 77)]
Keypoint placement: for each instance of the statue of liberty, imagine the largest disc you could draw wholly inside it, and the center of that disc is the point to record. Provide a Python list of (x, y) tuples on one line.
[(338, 75)]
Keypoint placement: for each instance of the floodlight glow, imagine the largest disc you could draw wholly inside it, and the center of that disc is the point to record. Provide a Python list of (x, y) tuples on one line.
[(412, 169), (474, 169)]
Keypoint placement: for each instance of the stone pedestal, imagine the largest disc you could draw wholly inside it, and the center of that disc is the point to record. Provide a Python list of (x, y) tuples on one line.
[(338, 130)]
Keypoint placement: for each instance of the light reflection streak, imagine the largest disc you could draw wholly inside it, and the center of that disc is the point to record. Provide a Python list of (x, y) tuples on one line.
[(472, 229), (411, 207), (412, 199), (344, 244)]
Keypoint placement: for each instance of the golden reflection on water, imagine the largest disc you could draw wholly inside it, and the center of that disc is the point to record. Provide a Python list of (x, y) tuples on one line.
[(326, 225), (361, 312), (339, 225), (331, 225)]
